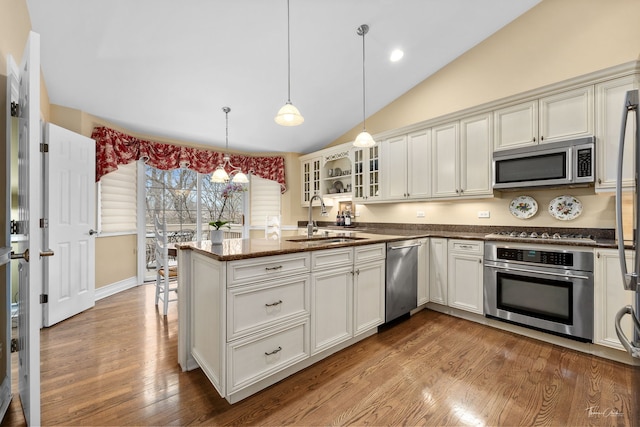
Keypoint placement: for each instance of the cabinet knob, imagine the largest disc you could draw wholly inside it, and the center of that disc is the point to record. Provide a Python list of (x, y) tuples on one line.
[(534, 139), (541, 138)]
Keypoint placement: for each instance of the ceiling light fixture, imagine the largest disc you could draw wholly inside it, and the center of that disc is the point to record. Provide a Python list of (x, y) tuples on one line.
[(396, 55), (364, 138), (289, 115), (220, 174)]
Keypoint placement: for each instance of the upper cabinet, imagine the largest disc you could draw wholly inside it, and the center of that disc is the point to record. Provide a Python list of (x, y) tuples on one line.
[(610, 97), (366, 174), (336, 172), (406, 166), (310, 174), (561, 116), (461, 158)]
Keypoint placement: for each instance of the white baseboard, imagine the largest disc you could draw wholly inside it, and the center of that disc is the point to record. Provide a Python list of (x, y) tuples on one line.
[(114, 288)]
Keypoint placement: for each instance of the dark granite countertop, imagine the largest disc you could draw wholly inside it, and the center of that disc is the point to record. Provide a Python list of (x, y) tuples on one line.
[(366, 234)]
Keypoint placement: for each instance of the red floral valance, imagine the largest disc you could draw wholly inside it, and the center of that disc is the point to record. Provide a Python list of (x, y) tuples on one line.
[(115, 148)]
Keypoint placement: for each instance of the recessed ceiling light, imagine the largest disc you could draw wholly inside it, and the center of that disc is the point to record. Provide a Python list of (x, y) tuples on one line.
[(396, 55)]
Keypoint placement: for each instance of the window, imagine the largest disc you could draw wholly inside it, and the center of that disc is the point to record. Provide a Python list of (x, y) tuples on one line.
[(117, 195)]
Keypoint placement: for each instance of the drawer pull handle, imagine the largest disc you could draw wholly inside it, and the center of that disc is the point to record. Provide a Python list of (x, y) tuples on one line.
[(466, 247), (277, 350), (277, 267), (274, 303)]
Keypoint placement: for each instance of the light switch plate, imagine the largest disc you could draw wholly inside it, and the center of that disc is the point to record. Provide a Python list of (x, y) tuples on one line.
[(420, 214), (484, 214)]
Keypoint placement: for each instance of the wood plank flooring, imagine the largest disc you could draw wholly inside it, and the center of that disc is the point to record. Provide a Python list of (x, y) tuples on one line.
[(116, 364)]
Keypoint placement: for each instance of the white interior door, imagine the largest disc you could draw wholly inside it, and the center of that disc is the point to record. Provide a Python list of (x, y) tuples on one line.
[(29, 209), (70, 210)]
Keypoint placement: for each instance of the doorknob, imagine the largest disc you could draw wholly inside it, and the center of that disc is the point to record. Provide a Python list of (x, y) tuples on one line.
[(24, 255), (46, 253), (92, 232)]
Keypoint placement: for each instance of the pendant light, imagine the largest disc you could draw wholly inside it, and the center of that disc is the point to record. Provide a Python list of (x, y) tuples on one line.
[(220, 174), (289, 115), (364, 138)]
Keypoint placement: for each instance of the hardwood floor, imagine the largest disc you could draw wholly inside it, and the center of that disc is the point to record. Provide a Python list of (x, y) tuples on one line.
[(116, 364)]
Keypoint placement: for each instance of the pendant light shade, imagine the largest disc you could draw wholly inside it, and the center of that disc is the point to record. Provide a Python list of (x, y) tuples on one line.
[(289, 115), (364, 139), (220, 175)]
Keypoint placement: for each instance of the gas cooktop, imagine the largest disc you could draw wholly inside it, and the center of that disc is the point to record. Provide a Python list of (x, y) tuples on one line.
[(521, 235)]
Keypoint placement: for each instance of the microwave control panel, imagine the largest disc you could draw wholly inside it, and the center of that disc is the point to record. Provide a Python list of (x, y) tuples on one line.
[(584, 163)]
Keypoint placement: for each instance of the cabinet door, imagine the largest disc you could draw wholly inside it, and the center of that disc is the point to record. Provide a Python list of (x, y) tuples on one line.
[(610, 97), (369, 298), (465, 282), (438, 270), (310, 171), (394, 160), (373, 173), (423, 272), (516, 126), (331, 307), (419, 164), (444, 165), (610, 296), (359, 173), (567, 115), (475, 155)]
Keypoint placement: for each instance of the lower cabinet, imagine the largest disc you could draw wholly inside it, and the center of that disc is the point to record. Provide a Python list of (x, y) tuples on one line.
[(438, 287), (423, 272), (610, 296), (331, 307), (465, 274), (369, 295)]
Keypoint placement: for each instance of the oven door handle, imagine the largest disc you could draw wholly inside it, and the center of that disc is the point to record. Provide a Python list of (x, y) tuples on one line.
[(546, 273)]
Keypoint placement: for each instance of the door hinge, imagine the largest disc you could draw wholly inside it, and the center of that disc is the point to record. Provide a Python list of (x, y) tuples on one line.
[(44, 223), (14, 345), (44, 298), (15, 109), (44, 147)]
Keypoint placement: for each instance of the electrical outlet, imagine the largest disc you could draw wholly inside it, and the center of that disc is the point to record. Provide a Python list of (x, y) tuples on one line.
[(484, 214), (420, 214)]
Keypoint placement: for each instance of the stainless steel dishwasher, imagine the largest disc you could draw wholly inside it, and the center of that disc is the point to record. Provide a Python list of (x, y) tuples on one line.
[(401, 278)]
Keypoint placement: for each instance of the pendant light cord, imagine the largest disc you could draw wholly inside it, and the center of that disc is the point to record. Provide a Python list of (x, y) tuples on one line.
[(288, 55), (226, 118), (362, 30)]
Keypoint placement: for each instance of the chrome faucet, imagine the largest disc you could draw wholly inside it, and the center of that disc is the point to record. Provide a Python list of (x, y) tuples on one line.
[(310, 226)]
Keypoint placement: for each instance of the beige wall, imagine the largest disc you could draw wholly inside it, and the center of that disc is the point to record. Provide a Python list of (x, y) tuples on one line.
[(554, 41)]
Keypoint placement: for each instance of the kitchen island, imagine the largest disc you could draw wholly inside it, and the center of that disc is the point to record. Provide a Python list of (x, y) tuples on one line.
[(254, 311)]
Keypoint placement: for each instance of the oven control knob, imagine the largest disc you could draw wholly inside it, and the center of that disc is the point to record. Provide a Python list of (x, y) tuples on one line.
[(545, 235), (534, 235), (513, 234), (524, 234), (556, 236)]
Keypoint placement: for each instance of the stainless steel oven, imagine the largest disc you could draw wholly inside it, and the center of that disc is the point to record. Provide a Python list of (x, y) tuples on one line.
[(544, 287)]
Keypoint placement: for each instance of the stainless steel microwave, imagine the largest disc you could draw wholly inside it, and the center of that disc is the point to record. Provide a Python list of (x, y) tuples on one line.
[(569, 162)]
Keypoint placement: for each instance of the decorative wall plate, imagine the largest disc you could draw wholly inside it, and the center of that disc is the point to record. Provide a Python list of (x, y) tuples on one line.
[(565, 208), (523, 207)]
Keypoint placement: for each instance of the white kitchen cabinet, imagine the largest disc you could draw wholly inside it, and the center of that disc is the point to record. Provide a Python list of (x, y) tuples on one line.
[(465, 275), (610, 97), (564, 115), (423, 272), (610, 296), (406, 166), (331, 307), (366, 174), (336, 171), (369, 290), (310, 173), (445, 168), (438, 270), (461, 158)]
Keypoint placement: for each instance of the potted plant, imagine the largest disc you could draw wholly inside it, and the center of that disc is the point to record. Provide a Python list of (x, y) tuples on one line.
[(216, 235)]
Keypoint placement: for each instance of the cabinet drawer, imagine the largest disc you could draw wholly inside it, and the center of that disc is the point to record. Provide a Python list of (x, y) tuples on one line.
[(466, 246), (260, 269), (252, 308), (250, 360), (370, 252), (331, 258)]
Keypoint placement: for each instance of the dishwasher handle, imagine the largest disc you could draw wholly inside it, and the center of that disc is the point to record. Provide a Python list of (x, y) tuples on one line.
[(414, 245)]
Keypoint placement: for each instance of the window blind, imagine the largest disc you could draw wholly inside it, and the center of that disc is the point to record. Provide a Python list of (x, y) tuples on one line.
[(264, 199), (118, 206)]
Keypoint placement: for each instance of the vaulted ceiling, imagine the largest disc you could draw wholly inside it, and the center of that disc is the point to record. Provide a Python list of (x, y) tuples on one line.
[(166, 68)]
